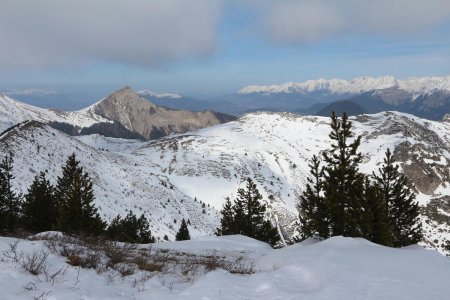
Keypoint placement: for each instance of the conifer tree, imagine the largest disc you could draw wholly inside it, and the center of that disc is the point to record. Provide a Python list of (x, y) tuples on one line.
[(130, 229), (376, 226), (9, 201), (314, 218), (228, 225), (344, 186), (403, 210), (75, 197), (183, 232), (39, 208), (246, 216)]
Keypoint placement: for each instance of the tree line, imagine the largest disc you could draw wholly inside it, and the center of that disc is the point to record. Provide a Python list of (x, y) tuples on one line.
[(67, 207)]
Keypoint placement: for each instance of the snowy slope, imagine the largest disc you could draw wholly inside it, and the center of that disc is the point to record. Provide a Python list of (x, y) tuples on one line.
[(121, 182), (338, 268), (13, 112), (417, 86), (210, 164)]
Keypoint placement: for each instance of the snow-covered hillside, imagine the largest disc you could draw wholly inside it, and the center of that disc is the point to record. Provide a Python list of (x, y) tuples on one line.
[(13, 112), (417, 86), (122, 182), (167, 178), (337, 268)]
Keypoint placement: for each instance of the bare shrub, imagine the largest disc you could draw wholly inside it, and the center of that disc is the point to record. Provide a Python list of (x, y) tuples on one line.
[(12, 252), (51, 277), (35, 263), (118, 252)]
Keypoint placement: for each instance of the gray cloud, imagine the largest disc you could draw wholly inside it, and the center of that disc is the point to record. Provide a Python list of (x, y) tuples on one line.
[(54, 33), (302, 21)]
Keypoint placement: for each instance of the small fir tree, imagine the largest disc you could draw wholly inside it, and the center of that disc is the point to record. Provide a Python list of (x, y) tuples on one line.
[(10, 202), (130, 229), (399, 198), (39, 208), (376, 221), (228, 225), (314, 218), (75, 198), (183, 232), (246, 216)]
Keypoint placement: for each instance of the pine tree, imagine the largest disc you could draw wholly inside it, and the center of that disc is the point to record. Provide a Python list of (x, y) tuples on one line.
[(10, 202), (314, 218), (75, 197), (144, 235), (246, 216), (344, 184), (130, 229), (39, 208), (183, 232), (228, 225), (376, 226), (403, 210)]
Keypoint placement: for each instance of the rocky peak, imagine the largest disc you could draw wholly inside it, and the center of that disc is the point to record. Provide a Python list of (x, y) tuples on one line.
[(139, 115)]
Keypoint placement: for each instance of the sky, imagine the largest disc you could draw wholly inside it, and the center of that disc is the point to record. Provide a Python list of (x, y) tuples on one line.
[(206, 48)]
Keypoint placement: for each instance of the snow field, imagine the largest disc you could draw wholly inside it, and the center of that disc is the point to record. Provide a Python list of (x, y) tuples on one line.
[(337, 268)]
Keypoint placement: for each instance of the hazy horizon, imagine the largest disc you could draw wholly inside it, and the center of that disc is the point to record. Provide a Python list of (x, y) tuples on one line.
[(84, 50)]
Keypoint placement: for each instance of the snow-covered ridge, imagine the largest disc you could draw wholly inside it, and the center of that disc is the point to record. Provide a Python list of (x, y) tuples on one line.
[(13, 112), (415, 85), (158, 95)]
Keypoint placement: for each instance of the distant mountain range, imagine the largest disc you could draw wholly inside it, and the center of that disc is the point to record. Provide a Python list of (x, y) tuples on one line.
[(426, 97)]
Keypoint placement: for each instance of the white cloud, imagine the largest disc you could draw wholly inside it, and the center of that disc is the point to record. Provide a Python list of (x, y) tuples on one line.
[(51, 33), (302, 21)]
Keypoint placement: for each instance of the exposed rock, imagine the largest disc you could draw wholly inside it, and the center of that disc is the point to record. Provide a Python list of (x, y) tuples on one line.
[(139, 115)]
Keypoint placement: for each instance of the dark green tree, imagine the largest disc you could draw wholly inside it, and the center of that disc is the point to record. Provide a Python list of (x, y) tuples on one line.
[(10, 202), (343, 183), (227, 222), (376, 225), (39, 207), (247, 216), (314, 216), (399, 198), (183, 232), (75, 198), (130, 229)]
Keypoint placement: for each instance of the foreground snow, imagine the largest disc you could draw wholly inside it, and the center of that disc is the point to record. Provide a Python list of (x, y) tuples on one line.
[(337, 268)]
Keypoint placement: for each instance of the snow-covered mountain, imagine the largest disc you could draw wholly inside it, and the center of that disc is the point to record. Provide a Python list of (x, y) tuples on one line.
[(148, 93), (172, 177), (13, 112), (122, 114), (426, 97), (415, 85)]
